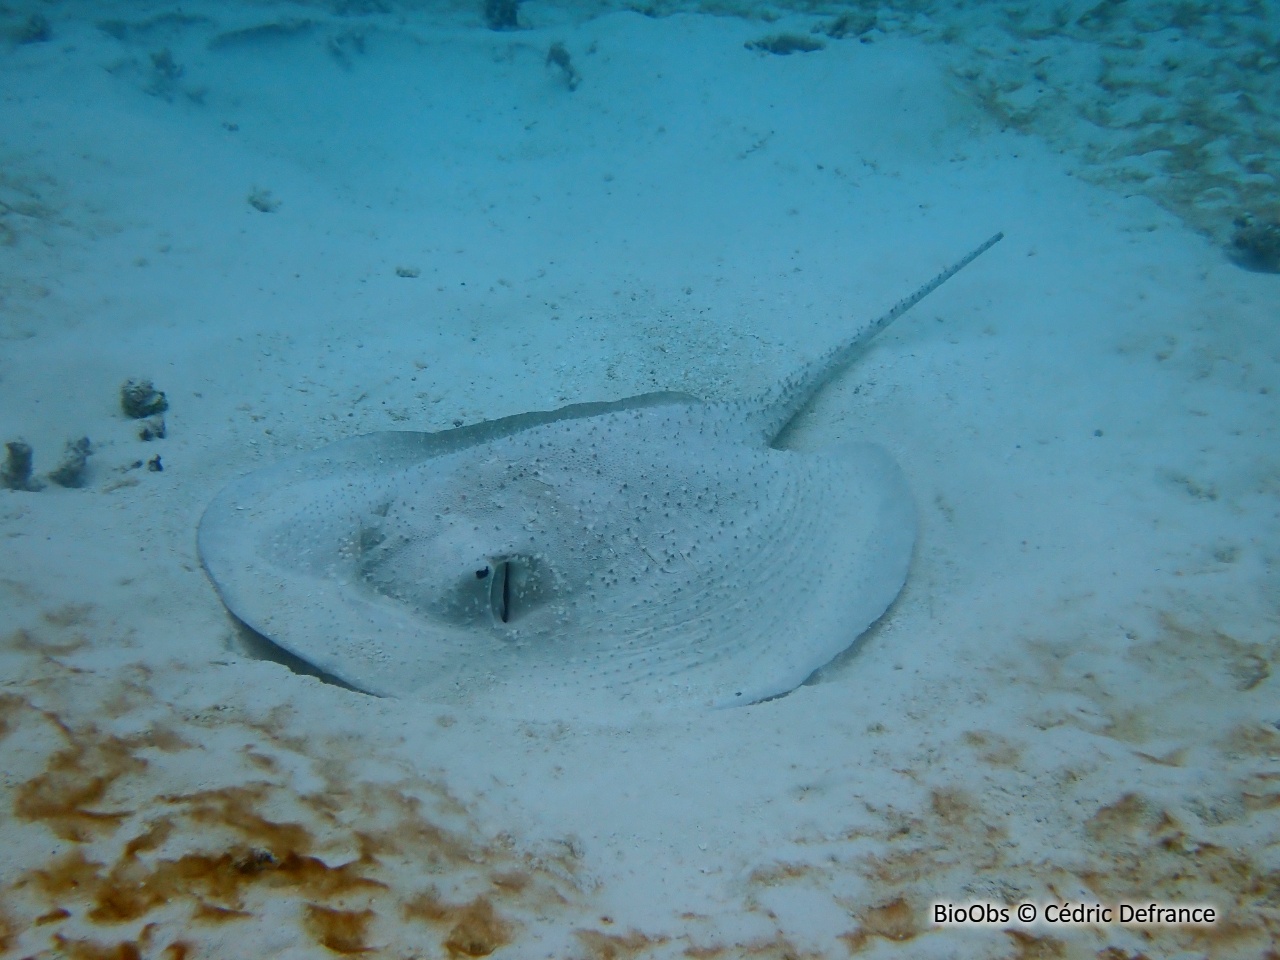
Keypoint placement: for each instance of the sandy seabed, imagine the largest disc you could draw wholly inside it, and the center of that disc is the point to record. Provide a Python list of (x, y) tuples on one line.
[(305, 223)]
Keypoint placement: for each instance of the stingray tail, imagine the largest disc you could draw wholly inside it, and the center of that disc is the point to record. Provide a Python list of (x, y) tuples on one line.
[(783, 403)]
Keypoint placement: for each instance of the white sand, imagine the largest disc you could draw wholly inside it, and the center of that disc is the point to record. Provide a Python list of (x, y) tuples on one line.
[(1072, 700)]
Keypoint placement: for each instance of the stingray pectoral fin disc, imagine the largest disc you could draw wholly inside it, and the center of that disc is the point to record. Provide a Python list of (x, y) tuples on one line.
[(580, 562), (280, 543), (872, 526), (839, 548)]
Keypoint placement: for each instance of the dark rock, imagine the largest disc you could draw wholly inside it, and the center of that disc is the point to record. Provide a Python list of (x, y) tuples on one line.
[(263, 200), (558, 56), (153, 429), (16, 473), (73, 470), (140, 399)]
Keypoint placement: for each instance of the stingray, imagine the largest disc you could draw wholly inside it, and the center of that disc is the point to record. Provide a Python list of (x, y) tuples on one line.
[(654, 550)]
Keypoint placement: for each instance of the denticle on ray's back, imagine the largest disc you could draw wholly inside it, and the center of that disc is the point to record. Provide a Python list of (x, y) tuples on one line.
[(774, 411)]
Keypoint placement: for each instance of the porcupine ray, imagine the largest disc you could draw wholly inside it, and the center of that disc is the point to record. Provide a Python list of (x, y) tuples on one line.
[(652, 551)]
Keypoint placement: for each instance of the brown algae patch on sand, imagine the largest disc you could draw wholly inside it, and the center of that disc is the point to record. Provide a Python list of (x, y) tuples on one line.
[(894, 920), (474, 929), (143, 864), (342, 931)]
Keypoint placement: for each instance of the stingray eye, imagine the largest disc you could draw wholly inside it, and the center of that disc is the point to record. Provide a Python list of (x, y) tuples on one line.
[(500, 591), (482, 573)]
